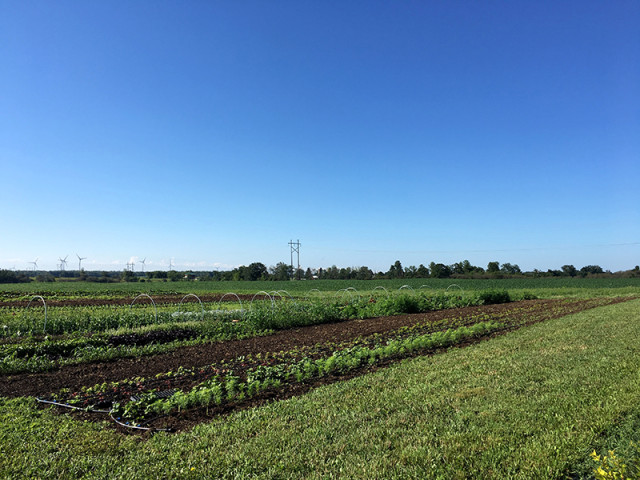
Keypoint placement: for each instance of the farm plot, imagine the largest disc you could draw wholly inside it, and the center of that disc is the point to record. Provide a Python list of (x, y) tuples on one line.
[(174, 390), (36, 341)]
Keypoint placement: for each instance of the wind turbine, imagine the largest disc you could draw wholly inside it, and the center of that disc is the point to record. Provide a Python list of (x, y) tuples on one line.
[(80, 261), (63, 263), (170, 264), (35, 264), (142, 262)]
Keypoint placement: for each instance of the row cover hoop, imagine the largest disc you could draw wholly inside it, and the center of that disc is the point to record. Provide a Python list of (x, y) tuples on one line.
[(264, 294), (44, 330), (306, 297), (192, 295), (234, 295), (380, 287), (348, 290), (283, 294), (149, 297), (287, 294), (280, 292)]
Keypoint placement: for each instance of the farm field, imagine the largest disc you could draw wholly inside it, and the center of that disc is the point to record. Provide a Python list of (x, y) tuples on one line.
[(543, 287), (369, 383)]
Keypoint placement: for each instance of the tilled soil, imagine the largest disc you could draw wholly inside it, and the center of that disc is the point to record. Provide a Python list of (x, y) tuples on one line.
[(74, 377)]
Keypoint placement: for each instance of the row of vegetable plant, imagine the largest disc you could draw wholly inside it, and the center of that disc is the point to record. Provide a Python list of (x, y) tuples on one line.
[(140, 400), (90, 335), (277, 311)]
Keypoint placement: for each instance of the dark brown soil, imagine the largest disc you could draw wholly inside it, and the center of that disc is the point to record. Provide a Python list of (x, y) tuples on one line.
[(75, 376)]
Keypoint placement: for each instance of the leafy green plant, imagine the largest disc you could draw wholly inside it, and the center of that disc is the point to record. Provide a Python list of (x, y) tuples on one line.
[(494, 296)]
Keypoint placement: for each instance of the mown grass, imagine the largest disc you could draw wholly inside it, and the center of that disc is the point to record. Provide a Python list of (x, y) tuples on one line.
[(530, 404)]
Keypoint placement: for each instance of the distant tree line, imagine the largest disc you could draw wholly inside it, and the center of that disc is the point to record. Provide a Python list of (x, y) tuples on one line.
[(9, 276)]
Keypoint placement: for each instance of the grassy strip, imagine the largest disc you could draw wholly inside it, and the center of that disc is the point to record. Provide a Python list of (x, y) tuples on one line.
[(527, 405)]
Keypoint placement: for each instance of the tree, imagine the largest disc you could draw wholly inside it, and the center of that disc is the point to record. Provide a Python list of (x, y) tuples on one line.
[(255, 271), (174, 276), (281, 271), (422, 272), (569, 270), (8, 276), (439, 270), (493, 267), (510, 269), (129, 276), (344, 273), (364, 273), (308, 274), (590, 269), (45, 277), (460, 268), (331, 273), (396, 270)]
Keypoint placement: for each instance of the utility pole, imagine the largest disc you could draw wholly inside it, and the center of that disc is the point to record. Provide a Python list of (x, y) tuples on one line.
[(295, 248)]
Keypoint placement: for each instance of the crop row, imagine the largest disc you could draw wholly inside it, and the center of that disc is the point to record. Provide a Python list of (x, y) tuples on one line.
[(140, 399), (18, 322), (227, 386), (131, 336)]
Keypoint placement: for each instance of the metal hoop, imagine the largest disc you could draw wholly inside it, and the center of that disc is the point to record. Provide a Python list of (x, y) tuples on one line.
[(307, 296), (149, 297), (264, 293), (192, 295), (237, 297), (44, 330)]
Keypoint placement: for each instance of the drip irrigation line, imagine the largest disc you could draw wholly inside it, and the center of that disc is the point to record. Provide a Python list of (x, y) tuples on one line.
[(138, 427), (73, 407), (109, 412)]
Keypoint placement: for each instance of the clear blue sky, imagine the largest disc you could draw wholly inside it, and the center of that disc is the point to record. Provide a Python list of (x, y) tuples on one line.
[(213, 132)]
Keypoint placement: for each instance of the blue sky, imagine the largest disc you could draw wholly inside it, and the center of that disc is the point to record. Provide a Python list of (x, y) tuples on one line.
[(213, 133)]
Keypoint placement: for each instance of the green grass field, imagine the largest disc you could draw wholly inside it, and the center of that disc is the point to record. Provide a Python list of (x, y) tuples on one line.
[(530, 404), (543, 287)]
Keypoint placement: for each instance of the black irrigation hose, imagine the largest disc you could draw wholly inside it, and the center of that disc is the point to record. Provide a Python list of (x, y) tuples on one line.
[(109, 412)]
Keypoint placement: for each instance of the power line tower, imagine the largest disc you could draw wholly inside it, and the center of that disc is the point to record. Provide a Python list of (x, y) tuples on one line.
[(295, 248)]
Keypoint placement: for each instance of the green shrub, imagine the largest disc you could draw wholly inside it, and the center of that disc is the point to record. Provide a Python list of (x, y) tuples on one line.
[(491, 297)]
